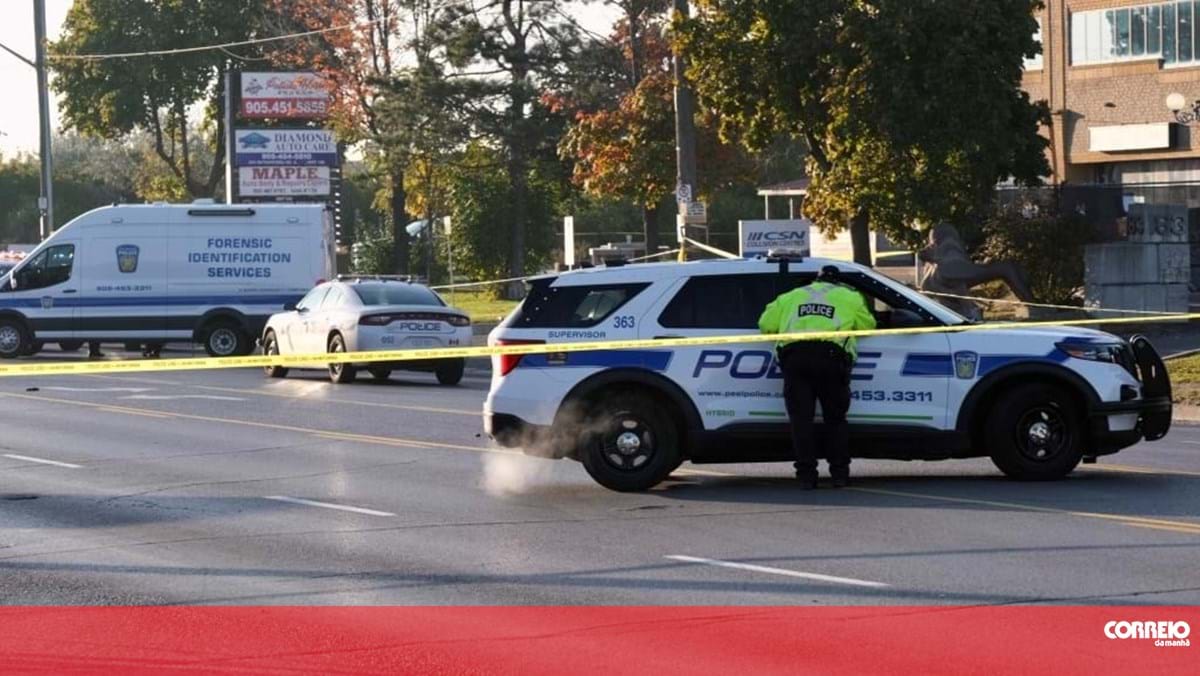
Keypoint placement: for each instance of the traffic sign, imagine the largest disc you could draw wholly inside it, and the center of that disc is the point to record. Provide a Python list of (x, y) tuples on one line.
[(694, 213)]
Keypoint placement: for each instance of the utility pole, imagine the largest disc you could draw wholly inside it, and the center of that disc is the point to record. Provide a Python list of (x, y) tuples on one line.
[(685, 131), (46, 199)]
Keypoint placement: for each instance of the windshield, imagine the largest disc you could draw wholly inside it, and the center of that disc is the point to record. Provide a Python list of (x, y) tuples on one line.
[(943, 313), (393, 293)]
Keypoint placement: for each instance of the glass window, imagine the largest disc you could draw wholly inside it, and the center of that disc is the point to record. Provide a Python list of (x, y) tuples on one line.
[(1078, 39), (395, 293), (725, 301), (313, 300), (332, 299), (51, 266), (1168, 33), (1137, 31), (1093, 26), (571, 307), (1184, 40), (1108, 33), (1154, 30), (1121, 46)]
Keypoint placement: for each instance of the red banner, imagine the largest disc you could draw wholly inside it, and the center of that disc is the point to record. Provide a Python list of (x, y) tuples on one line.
[(607, 640)]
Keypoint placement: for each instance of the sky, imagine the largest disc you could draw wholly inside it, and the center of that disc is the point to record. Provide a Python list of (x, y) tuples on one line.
[(18, 82)]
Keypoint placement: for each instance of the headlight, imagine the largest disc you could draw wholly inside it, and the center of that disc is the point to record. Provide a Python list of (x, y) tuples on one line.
[(1106, 352)]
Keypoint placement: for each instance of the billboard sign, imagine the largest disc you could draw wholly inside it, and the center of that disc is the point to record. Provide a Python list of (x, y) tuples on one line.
[(284, 95), (283, 181), (285, 148), (757, 238)]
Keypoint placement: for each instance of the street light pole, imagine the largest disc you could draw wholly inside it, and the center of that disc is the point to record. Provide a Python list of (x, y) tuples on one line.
[(46, 199)]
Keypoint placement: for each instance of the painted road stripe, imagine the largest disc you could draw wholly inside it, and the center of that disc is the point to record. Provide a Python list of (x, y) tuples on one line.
[(777, 571), (327, 505), (57, 388), (43, 461), (172, 397)]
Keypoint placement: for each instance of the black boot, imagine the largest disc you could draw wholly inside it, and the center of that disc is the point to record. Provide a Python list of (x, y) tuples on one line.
[(808, 480)]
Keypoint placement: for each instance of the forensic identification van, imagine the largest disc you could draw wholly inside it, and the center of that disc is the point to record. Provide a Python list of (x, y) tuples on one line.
[(162, 273), (1037, 400)]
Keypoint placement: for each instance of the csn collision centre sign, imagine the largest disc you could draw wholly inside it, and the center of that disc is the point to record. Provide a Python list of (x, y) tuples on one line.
[(285, 148), (284, 95), (757, 238)]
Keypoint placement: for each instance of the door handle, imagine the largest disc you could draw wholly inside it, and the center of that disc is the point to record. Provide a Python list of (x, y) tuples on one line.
[(70, 291)]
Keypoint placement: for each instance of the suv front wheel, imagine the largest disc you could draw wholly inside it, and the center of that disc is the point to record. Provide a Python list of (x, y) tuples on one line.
[(631, 444), (1035, 432)]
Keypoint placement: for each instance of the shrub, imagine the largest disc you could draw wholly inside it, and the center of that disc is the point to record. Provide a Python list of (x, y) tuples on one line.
[(1048, 245)]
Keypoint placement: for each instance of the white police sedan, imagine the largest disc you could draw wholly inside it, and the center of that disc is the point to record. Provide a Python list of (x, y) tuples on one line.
[(1036, 400), (365, 314)]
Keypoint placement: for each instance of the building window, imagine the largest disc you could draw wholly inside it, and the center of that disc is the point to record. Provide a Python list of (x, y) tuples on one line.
[(1035, 62), (1165, 30)]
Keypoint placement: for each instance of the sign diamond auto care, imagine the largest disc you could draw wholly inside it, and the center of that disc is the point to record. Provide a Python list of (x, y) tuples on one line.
[(283, 181), (286, 148), (284, 96)]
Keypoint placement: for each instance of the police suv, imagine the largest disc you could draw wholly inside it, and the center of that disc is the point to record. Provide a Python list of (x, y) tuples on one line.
[(1037, 400)]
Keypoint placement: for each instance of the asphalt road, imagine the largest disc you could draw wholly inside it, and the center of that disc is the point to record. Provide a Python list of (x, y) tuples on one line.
[(228, 488)]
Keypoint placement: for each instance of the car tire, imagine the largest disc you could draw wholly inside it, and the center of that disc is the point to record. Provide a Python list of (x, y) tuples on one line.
[(33, 347), (271, 349), (341, 374), (70, 345), (632, 445), (380, 373), (450, 371), (14, 340), (224, 338), (1035, 433)]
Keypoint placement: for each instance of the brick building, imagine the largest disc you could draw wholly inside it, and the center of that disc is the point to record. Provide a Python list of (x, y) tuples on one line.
[(1122, 78)]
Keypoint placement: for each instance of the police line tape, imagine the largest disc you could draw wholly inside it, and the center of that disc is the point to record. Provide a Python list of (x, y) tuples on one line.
[(1050, 306), (317, 360)]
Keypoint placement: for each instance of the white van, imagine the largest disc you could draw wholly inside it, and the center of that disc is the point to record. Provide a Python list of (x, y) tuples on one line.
[(159, 273)]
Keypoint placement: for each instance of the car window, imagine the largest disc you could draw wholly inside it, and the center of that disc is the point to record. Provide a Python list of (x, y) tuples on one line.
[(332, 299), (395, 293), (313, 300), (548, 306), (726, 301), (51, 266)]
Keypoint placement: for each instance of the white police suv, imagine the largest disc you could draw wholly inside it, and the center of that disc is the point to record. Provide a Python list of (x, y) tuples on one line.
[(365, 314), (1036, 400)]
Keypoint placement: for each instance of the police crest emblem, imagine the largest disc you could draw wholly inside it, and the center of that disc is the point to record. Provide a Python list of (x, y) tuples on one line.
[(965, 364), (127, 258)]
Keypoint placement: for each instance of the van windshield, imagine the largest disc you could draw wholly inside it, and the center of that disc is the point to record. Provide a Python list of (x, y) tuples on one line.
[(394, 293)]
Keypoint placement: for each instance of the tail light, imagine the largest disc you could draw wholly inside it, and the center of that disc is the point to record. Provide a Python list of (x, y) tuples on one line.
[(507, 362), (458, 320), (387, 318), (375, 320)]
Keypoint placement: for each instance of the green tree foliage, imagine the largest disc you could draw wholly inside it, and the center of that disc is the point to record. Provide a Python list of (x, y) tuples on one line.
[(159, 95), (912, 109), (75, 191), (1046, 243)]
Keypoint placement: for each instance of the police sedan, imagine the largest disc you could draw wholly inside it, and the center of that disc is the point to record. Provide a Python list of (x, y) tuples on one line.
[(365, 314)]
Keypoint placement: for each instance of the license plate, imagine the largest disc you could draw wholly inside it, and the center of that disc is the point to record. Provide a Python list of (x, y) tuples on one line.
[(423, 342)]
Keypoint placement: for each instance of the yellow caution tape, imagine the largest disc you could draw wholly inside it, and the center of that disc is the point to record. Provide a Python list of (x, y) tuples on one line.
[(1077, 308), (318, 360)]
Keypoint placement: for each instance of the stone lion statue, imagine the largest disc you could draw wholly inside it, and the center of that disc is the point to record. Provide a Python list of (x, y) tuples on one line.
[(950, 270)]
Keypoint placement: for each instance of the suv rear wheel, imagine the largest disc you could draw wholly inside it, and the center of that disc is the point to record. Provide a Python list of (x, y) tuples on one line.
[(634, 445), (1035, 432)]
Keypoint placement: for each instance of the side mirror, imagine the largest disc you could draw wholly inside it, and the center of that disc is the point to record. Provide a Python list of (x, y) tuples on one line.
[(905, 319), (289, 307)]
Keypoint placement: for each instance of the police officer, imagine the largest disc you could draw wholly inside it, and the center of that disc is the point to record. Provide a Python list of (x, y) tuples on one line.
[(818, 370)]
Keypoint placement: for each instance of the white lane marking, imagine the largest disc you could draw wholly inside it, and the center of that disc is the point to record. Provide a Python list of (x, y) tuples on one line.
[(1188, 441), (777, 571), (43, 461), (327, 505), (170, 397), (99, 389)]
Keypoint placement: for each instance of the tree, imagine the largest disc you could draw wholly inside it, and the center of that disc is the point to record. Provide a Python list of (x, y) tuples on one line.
[(912, 109), (114, 98), (509, 49)]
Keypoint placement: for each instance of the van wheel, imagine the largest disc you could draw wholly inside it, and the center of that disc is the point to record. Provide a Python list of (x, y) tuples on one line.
[(226, 339), (341, 374), (1035, 433), (450, 371), (271, 349), (70, 345), (13, 340), (636, 446)]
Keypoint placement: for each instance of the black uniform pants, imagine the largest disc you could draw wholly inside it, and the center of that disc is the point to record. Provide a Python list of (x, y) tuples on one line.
[(818, 371)]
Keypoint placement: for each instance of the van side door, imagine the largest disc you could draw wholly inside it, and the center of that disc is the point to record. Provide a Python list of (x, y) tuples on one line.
[(124, 275)]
